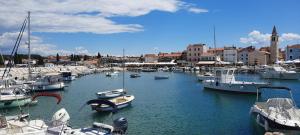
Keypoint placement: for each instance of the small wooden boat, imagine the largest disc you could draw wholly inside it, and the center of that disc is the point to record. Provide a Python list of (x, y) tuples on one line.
[(161, 77), (135, 75), (109, 105), (111, 94)]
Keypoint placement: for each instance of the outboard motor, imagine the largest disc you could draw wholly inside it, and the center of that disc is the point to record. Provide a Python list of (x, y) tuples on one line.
[(61, 117), (120, 125)]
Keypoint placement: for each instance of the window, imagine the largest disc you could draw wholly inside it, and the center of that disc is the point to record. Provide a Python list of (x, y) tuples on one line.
[(218, 73), (190, 54), (194, 49), (198, 49), (291, 57), (225, 72), (198, 54), (230, 72), (190, 49), (195, 54), (291, 50), (242, 55)]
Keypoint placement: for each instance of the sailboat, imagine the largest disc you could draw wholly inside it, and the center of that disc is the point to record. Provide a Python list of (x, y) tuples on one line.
[(13, 95)]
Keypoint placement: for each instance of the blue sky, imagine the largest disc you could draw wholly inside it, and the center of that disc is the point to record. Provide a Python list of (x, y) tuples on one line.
[(164, 27)]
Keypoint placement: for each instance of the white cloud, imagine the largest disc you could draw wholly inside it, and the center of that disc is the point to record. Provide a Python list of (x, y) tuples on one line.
[(290, 37), (38, 46), (93, 16), (257, 38), (197, 10)]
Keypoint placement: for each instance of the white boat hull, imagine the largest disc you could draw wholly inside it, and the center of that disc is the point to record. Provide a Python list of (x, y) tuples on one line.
[(50, 87), (284, 76), (238, 87)]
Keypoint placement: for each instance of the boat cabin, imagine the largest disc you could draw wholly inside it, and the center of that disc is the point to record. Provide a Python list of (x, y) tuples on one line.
[(224, 75)]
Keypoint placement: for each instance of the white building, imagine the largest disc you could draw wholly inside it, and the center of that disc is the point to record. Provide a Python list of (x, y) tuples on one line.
[(230, 54)]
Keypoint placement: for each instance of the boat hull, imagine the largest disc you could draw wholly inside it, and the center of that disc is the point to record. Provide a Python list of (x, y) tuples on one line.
[(15, 103), (108, 109), (51, 87), (283, 76), (246, 88), (271, 124)]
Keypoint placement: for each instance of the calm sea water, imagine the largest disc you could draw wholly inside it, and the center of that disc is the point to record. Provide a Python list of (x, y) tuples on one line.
[(175, 106)]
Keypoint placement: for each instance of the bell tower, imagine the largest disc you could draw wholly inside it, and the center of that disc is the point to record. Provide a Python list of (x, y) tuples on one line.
[(274, 46)]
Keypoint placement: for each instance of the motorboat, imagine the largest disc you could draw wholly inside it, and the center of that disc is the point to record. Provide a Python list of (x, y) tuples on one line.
[(160, 77), (177, 70), (135, 75), (205, 76), (67, 75), (48, 82), (13, 97), (224, 80), (109, 105), (111, 94), (148, 70), (278, 72), (110, 74), (277, 113)]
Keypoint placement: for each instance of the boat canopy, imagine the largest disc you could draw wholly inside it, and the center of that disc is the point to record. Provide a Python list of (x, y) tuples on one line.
[(47, 94), (102, 102)]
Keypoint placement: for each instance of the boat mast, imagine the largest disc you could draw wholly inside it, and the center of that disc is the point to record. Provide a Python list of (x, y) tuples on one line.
[(29, 55), (215, 46), (123, 65)]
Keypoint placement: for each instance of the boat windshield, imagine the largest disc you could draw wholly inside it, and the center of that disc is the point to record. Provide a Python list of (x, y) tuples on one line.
[(230, 72), (225, 72), (218, 73)]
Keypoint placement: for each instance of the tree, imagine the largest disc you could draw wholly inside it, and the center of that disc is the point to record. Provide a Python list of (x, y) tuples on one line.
[(99, 55), (57, 57), (85, 57), (72, 57)]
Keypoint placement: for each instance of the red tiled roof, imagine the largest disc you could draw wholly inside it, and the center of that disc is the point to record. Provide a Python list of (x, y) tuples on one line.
[(207, 54), (150, 55), (294, 46)]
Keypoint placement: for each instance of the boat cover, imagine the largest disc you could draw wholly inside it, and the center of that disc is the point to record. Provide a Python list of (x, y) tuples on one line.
[(281, 109)]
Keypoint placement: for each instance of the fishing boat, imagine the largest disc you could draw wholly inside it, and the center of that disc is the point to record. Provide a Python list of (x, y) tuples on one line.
[(135, 75), (206, 76), (278, 72), (119, 103), (111, 94), (160, 77), (224, 80), (277, 113), (67, 75)]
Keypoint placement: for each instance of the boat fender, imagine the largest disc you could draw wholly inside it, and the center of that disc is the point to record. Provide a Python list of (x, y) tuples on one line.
[(266, 125)]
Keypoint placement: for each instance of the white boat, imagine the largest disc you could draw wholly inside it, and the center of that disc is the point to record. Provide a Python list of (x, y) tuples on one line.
[(49, 82), (160, 77), (110, 74), (206, 76), (135, 75), (277, 113), (148, 70), (224, 80), (278, 72), (111, 94), (67, 75), (112, 104), (13, 97), (177, 70)]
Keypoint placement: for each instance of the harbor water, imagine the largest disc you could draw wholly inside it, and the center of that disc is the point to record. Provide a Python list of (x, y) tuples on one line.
[(175, 106)]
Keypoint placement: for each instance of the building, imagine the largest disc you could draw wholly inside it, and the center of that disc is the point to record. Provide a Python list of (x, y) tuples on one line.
[(151, 58), (293, 52), (230, 54), (194, 52), (169, 56), (207, 57), (243, 54), (258, 57), (217, 52), (274, 46)]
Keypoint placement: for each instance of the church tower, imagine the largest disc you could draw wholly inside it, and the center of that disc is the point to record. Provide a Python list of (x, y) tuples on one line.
[(274, 46)]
